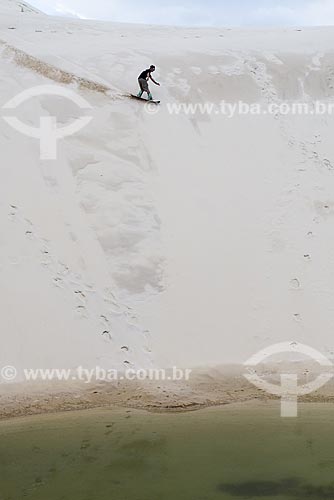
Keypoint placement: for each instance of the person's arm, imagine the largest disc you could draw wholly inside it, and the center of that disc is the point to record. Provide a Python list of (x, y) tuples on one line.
[(154, 80)]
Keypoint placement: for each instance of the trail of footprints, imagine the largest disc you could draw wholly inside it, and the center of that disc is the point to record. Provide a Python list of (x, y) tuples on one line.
[(62, 277), (307, 149)]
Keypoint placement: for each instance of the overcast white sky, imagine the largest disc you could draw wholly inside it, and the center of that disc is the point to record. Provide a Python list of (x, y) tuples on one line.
[(198, 12)]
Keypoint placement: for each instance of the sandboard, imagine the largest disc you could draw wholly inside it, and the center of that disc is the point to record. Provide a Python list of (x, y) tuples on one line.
[(142, 99)]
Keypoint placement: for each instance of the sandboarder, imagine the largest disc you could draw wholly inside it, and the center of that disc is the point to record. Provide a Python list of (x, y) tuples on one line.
[(143, 82)]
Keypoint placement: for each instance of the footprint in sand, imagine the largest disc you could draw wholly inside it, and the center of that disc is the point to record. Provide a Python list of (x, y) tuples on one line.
[(295, 284), (58, 282), (47, 260), (105, 321), (29, 234), (12, 212), (63, 269), (81, 303), (81, 310), (107, 335), (327, 164)]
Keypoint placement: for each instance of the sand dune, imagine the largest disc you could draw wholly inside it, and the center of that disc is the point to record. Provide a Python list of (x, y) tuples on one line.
[(190, 239), (53, 73)]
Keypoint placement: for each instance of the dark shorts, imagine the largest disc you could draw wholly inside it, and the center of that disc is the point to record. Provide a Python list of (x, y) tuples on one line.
[(143, 85)]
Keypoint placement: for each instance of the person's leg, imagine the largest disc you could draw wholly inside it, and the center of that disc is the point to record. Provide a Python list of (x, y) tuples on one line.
[(149, 95), (140, 93), (144, 88)]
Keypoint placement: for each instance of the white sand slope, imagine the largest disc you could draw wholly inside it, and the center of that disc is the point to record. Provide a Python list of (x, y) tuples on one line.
[(12, 7), (165, 239)]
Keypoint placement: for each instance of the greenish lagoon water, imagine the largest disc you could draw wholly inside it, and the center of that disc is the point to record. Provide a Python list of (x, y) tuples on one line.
[(243, 451)]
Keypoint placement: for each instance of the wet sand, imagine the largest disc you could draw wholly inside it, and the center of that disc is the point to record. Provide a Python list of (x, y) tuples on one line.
[(205, 388)]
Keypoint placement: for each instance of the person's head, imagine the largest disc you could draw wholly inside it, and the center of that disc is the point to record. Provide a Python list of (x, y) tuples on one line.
[(152, 67)]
